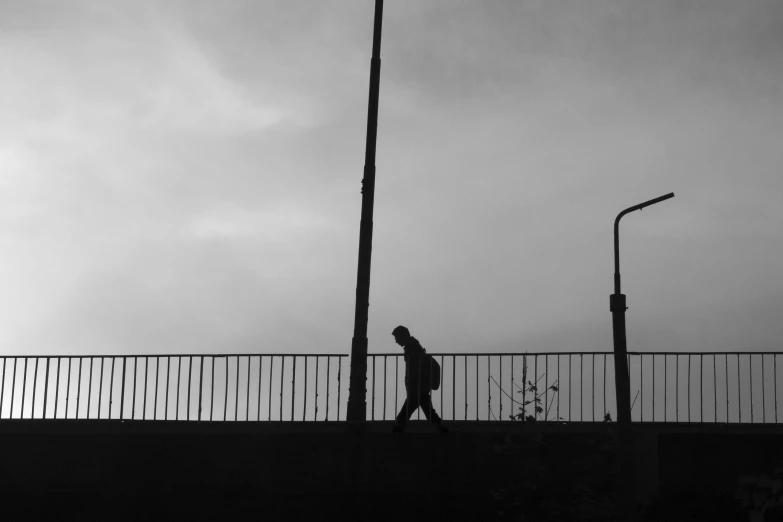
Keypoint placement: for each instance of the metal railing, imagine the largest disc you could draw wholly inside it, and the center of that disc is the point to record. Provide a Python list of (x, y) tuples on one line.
[(270, 387), (579, 387), (705, 387), (553, 387), (566, 387)]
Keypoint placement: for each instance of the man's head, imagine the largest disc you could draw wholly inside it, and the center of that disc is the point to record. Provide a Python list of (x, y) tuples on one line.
[(401, 335)]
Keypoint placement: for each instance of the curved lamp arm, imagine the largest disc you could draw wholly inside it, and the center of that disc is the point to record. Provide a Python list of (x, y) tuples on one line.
[(628, 210)]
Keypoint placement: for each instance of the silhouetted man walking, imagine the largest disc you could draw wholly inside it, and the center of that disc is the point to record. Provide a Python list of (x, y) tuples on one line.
[(417, 381)]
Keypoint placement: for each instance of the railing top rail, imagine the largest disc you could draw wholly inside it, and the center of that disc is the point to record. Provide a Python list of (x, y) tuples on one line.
[(473, 354), (705, 353), (381, 354), (141, 355), (484, 354)]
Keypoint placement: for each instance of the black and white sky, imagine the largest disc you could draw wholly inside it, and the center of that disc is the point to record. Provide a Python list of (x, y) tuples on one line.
[(183, 176)]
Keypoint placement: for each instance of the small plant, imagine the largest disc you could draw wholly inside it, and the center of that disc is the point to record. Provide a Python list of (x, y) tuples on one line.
[(532, 407), (532, 398)]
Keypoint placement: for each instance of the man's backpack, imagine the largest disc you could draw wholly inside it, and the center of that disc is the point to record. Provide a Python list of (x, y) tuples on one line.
[(434, 370)]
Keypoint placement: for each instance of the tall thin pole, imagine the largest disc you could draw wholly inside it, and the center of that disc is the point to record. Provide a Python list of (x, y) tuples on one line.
[(617, 305), (357, 397)]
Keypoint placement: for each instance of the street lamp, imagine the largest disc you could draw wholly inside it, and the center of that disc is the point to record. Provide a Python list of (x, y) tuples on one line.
[(618, 308), (357, 392), (622, 378)]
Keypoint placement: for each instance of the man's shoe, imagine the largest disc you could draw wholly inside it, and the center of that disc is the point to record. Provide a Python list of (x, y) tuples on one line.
[(442, 428), (398, 428)]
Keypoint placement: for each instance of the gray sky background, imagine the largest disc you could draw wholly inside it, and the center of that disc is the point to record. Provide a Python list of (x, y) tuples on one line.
[(184, 176)]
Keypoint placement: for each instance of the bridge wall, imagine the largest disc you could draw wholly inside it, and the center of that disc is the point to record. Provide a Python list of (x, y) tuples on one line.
[(312, 469)]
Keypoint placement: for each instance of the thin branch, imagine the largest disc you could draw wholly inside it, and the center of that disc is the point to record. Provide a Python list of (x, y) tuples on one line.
[(491, 412), (506, 394), (549, 407), (634, 399)]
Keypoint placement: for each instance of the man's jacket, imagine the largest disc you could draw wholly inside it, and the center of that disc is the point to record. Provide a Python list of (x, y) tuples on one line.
[(416, 367)]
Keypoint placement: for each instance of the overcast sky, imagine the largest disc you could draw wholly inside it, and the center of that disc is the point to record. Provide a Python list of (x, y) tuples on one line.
[(184, 176)]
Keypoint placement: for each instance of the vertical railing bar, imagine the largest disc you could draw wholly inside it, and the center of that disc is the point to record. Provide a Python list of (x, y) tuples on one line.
[(2, 387), (477, 388), (396, 381), (512, 387), (146, 380), (442, 412), (372, 414), (100, 388), (24, 386), (763, 393), (570, 389), (212, 390), (157, 378), (111, 383), (653, 387), (559, 385), (418, 388), (689, 387), (739, 391), (775, 375), (269, 409), (293, 387), (282, 381), (592, 384), (260, 367), (535, 383), (677, 389), (304, 408), (641, 387), (604, 412), (236, 393), (489, 390), (315, 413), (715, 384), (13, 390), (665, 385), (190, 382), (339, 383), (89, 388), (581, 387), (46, 388), (78, 388), (135, 374), (35, 384), (122, 391), (500, 395), (750, 377), (466, 388), (200, 385), (247, 399), (385, 385), (68, 389), (225, 396), (168, 379), (179, 386), (701, 388), (546, 388), (727, 388)]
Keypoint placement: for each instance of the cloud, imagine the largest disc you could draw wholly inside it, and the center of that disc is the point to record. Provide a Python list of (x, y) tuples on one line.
[(187, 174)]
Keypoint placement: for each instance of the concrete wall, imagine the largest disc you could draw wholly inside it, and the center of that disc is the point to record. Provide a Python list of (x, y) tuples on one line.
[(313, 469)]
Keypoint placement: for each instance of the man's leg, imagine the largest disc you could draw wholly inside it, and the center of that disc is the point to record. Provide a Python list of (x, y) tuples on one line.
[(408, 408), (425, 401), (429, 411)]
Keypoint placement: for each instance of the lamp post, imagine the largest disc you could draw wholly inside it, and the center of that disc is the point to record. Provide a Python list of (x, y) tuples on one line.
[(357, 394), (622, 379)]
